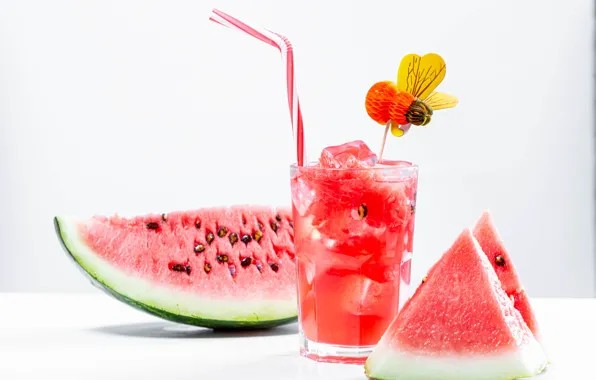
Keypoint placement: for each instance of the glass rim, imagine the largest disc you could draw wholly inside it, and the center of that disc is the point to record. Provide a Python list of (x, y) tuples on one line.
[(311, 166)]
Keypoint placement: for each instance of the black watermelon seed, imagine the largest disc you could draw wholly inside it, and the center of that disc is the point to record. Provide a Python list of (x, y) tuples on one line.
[(207, 267), (188, 269), (222, 258), (274, 226), (232, 270), (243, 220), (164, 217), (178, 268), (278, 218), (424, 279), (499, 260), (257, 236), (199, 248), (246, 239), (153, 225), (413, 208), (233, 238), (198, 223), (259, 266), (209, 238), (274, 267), (260, 225), (362, 211), (291, 224), (246, 262), (222, 232)]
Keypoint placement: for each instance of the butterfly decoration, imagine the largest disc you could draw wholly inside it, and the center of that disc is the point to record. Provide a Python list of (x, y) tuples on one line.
[(412, 100)]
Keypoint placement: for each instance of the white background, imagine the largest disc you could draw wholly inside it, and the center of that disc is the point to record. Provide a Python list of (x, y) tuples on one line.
[(141, 106)]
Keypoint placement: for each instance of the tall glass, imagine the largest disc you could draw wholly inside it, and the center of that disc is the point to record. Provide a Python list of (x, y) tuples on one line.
[(353, 233)]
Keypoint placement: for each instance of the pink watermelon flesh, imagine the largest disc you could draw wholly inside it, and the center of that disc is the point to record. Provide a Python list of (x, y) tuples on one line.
[(522, 304), (459, 324), (226, 258), (488, 237)]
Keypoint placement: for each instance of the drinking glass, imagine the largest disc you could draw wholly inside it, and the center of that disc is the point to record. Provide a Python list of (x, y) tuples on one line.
[(353, 234)]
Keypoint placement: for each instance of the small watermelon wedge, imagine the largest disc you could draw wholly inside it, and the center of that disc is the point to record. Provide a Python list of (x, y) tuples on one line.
[(216, 267), (492, 245), (458, 325)]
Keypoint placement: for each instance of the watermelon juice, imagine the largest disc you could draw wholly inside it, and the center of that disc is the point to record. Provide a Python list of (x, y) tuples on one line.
[(353, 235)]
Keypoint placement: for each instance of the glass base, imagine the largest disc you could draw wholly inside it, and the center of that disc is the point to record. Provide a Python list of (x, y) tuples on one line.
[(331, 353)]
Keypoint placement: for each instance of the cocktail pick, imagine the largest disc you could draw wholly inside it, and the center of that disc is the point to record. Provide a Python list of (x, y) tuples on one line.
[(412, 100)]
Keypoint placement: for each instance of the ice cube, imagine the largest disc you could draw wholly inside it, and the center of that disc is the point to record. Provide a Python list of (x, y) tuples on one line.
[(353, 154), (302, 195), (360, 295), (406, 268)]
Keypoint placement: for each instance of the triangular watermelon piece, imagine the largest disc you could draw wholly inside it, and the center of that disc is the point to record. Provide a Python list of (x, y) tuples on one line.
[(488, 237), (459, 324)]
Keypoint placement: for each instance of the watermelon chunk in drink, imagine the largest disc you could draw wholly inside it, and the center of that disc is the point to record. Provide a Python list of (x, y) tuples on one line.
[(354, 224)]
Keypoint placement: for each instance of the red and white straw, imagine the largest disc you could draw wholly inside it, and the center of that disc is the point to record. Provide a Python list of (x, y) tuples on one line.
[(285, 47)]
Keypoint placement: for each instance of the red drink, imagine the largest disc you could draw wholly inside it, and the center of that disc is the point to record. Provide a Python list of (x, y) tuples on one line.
[(354, 225)]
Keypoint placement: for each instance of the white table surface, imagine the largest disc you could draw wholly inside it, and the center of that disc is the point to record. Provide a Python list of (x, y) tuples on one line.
[(91, 336)]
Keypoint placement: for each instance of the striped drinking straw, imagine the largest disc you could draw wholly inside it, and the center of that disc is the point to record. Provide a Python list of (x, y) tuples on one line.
[(287, 55)]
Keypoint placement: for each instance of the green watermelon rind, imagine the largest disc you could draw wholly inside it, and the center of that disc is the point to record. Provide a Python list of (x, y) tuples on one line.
[(213, 314)]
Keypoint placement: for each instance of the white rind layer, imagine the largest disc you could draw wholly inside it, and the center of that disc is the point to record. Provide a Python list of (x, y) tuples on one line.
[(167, 299), (390, 363)]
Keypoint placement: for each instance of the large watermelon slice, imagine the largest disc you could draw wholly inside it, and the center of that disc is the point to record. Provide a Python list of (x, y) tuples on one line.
[(488, 237), (458, 325), (218, 267)]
